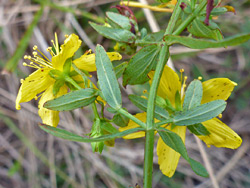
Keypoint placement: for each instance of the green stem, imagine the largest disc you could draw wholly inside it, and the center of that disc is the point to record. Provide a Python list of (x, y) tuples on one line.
[(73, 82), (95, 110), (148, 159), (190, 18), (131, 117)]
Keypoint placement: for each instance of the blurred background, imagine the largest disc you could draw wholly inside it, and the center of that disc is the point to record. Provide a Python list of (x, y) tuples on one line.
[(29, 157)]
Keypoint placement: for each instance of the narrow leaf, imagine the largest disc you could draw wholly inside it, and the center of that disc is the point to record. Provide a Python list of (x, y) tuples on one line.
[(198, 129), (142, 103), (141, 64), (107, 79), (61, 133), (193, 95), (199, 114), (202, 44), (73, 100), (174, 141), (119, 69), (120, 35)]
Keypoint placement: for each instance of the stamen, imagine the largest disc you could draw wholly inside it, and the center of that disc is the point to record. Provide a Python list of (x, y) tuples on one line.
[(88, 52), (199, 78), (35, 97), (181, 71), (220, 116), (25, 64), (66, 36), (21, 81), (56, 44), (183, 86)]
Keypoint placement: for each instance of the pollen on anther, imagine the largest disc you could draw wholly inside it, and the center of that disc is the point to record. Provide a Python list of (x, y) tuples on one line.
[(34, 53), (199, 78), (220, 116), (66, 36), (35, 47), (181, 70), (25, 64), (21, 81), (35, 97), (25, 57)]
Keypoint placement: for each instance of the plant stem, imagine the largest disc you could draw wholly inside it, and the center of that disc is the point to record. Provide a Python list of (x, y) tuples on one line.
[(149, 143), (190, 18), (148, 159)]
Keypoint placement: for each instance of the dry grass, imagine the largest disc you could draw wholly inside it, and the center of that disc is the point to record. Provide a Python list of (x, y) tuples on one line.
[(31, 158)]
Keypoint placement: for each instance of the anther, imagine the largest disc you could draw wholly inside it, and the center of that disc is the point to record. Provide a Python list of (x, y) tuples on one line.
[(35, 47), (35, 97), (25, 57), (181, 70), (199, 78), (144, 91), (34, 53), (25, 64), (220, 116), (66, 36), (21, 81)]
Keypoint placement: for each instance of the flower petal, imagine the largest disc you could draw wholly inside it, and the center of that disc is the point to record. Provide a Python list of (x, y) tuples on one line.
[(220, 135), (68, 49), (50, 117), (87, 62), (168, 158), (217, 88), (169, 84), (34, 84), (132, 124)]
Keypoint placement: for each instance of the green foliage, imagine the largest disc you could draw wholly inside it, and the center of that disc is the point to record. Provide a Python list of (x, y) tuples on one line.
[(199, 114), (174, 141), (73, 100), (141, 64), (142, 104), (61, 133), (198, 129), (203, 44), (107, 79), (193, 95)]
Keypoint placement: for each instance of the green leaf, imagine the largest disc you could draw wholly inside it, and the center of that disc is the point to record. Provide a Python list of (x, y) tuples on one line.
[(73, 100), (120, 120), (198, 129), (202, 44), (193, 95), (174, 141), (199, 29), (141, 64), (122, 21), (142, 104), (199, 114), (107, 79), (120, 35), (151, 38), (61, 133), (119, 69)]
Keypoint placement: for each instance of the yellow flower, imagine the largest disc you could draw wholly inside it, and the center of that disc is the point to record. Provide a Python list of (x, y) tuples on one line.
[(40, 81), (220, 134)]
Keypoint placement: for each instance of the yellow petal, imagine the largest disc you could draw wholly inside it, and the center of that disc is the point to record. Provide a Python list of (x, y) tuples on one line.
[(50, 117), (169, 84), (220, 135), (217, 88), (68, 49), (132, 124), (168, 158), (34, 84), (87, 62)]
